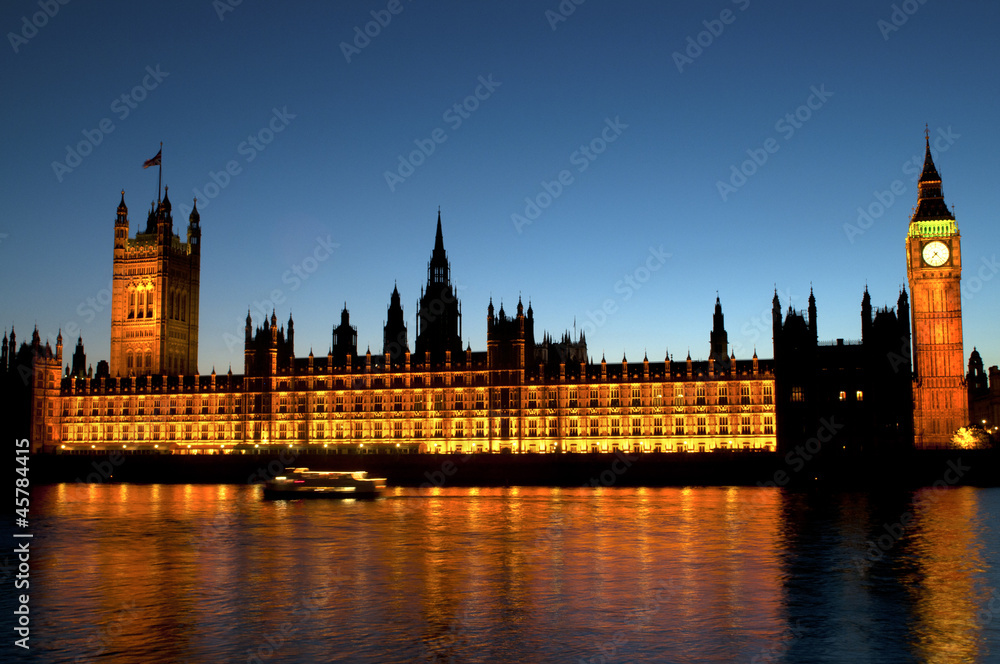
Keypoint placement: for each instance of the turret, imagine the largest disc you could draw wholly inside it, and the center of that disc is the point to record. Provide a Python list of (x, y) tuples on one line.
[(79, 366), (121, 225), (164, 221), (194, 229), (903, 315), (345, 338), (394, 335), (718, 339), (976, 378), (775, 322), (812, 317), (866, 315)]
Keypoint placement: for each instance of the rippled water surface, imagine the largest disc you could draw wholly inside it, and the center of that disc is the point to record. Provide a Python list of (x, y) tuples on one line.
[(203, 573)]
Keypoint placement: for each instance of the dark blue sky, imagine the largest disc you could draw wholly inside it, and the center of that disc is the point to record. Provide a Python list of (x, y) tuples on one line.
[(615, 122)]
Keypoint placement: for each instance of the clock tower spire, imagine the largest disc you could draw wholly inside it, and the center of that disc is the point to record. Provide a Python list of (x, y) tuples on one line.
[(934, 272)]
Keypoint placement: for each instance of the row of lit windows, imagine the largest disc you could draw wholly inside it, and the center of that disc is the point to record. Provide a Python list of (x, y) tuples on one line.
[(396, 429), (398, 401), (799, 395), (460, 379)]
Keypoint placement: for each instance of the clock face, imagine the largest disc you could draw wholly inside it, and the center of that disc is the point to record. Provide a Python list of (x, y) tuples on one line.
[(935, 253)]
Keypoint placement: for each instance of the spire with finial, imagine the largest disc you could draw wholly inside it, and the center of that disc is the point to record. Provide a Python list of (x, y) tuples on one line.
[(122, 208), (438, 235), (930, 197)]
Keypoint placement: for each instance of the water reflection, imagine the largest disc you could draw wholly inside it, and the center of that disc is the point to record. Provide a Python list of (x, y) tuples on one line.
[(128, 573)]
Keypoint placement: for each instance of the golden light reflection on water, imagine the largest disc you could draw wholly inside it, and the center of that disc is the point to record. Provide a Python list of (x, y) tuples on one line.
[(949, 559), (209, 572)]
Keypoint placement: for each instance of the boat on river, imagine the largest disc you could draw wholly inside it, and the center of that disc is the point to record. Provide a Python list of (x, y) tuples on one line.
[(305, 483)]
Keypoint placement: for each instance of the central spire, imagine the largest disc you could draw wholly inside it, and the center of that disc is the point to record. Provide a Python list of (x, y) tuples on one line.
[(930, 198), (438, 270), (439, 236), (439, 314)]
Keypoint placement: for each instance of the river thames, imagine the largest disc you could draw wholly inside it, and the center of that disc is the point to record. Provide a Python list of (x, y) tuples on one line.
[(213, 573)]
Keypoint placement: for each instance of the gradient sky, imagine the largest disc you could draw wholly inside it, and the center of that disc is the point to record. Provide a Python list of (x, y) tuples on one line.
[(225, 73)]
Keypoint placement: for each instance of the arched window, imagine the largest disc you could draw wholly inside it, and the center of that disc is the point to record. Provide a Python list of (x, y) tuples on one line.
[(128, 361), (142, 303), (131, 303)]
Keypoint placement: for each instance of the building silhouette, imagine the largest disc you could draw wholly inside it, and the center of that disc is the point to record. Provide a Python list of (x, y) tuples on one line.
[(439, 313), (864, 386), (984, 395)]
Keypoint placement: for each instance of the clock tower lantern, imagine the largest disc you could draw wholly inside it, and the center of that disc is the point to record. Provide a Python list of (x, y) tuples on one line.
[(934, 271)]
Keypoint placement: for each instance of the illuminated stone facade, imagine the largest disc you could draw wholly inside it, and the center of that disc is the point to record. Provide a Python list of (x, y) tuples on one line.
[(457, 406), (516, 397), (934, 271), (154, 295)]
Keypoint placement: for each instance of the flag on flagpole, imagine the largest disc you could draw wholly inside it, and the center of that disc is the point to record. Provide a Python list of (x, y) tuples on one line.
[(155, 161)]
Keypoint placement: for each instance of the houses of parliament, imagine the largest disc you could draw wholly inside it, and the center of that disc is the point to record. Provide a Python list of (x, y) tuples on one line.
[(901, 385)]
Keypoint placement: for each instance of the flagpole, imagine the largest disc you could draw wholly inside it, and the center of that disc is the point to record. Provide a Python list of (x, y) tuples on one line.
[(159, 177)]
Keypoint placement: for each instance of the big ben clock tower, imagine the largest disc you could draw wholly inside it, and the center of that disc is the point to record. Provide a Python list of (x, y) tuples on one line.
[(934, 271)]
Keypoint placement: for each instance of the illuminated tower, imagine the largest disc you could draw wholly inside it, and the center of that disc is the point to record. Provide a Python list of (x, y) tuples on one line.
[(154, 295), (934, 271)]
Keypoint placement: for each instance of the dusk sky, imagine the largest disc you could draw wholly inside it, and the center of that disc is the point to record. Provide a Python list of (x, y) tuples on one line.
[(582, 155)]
